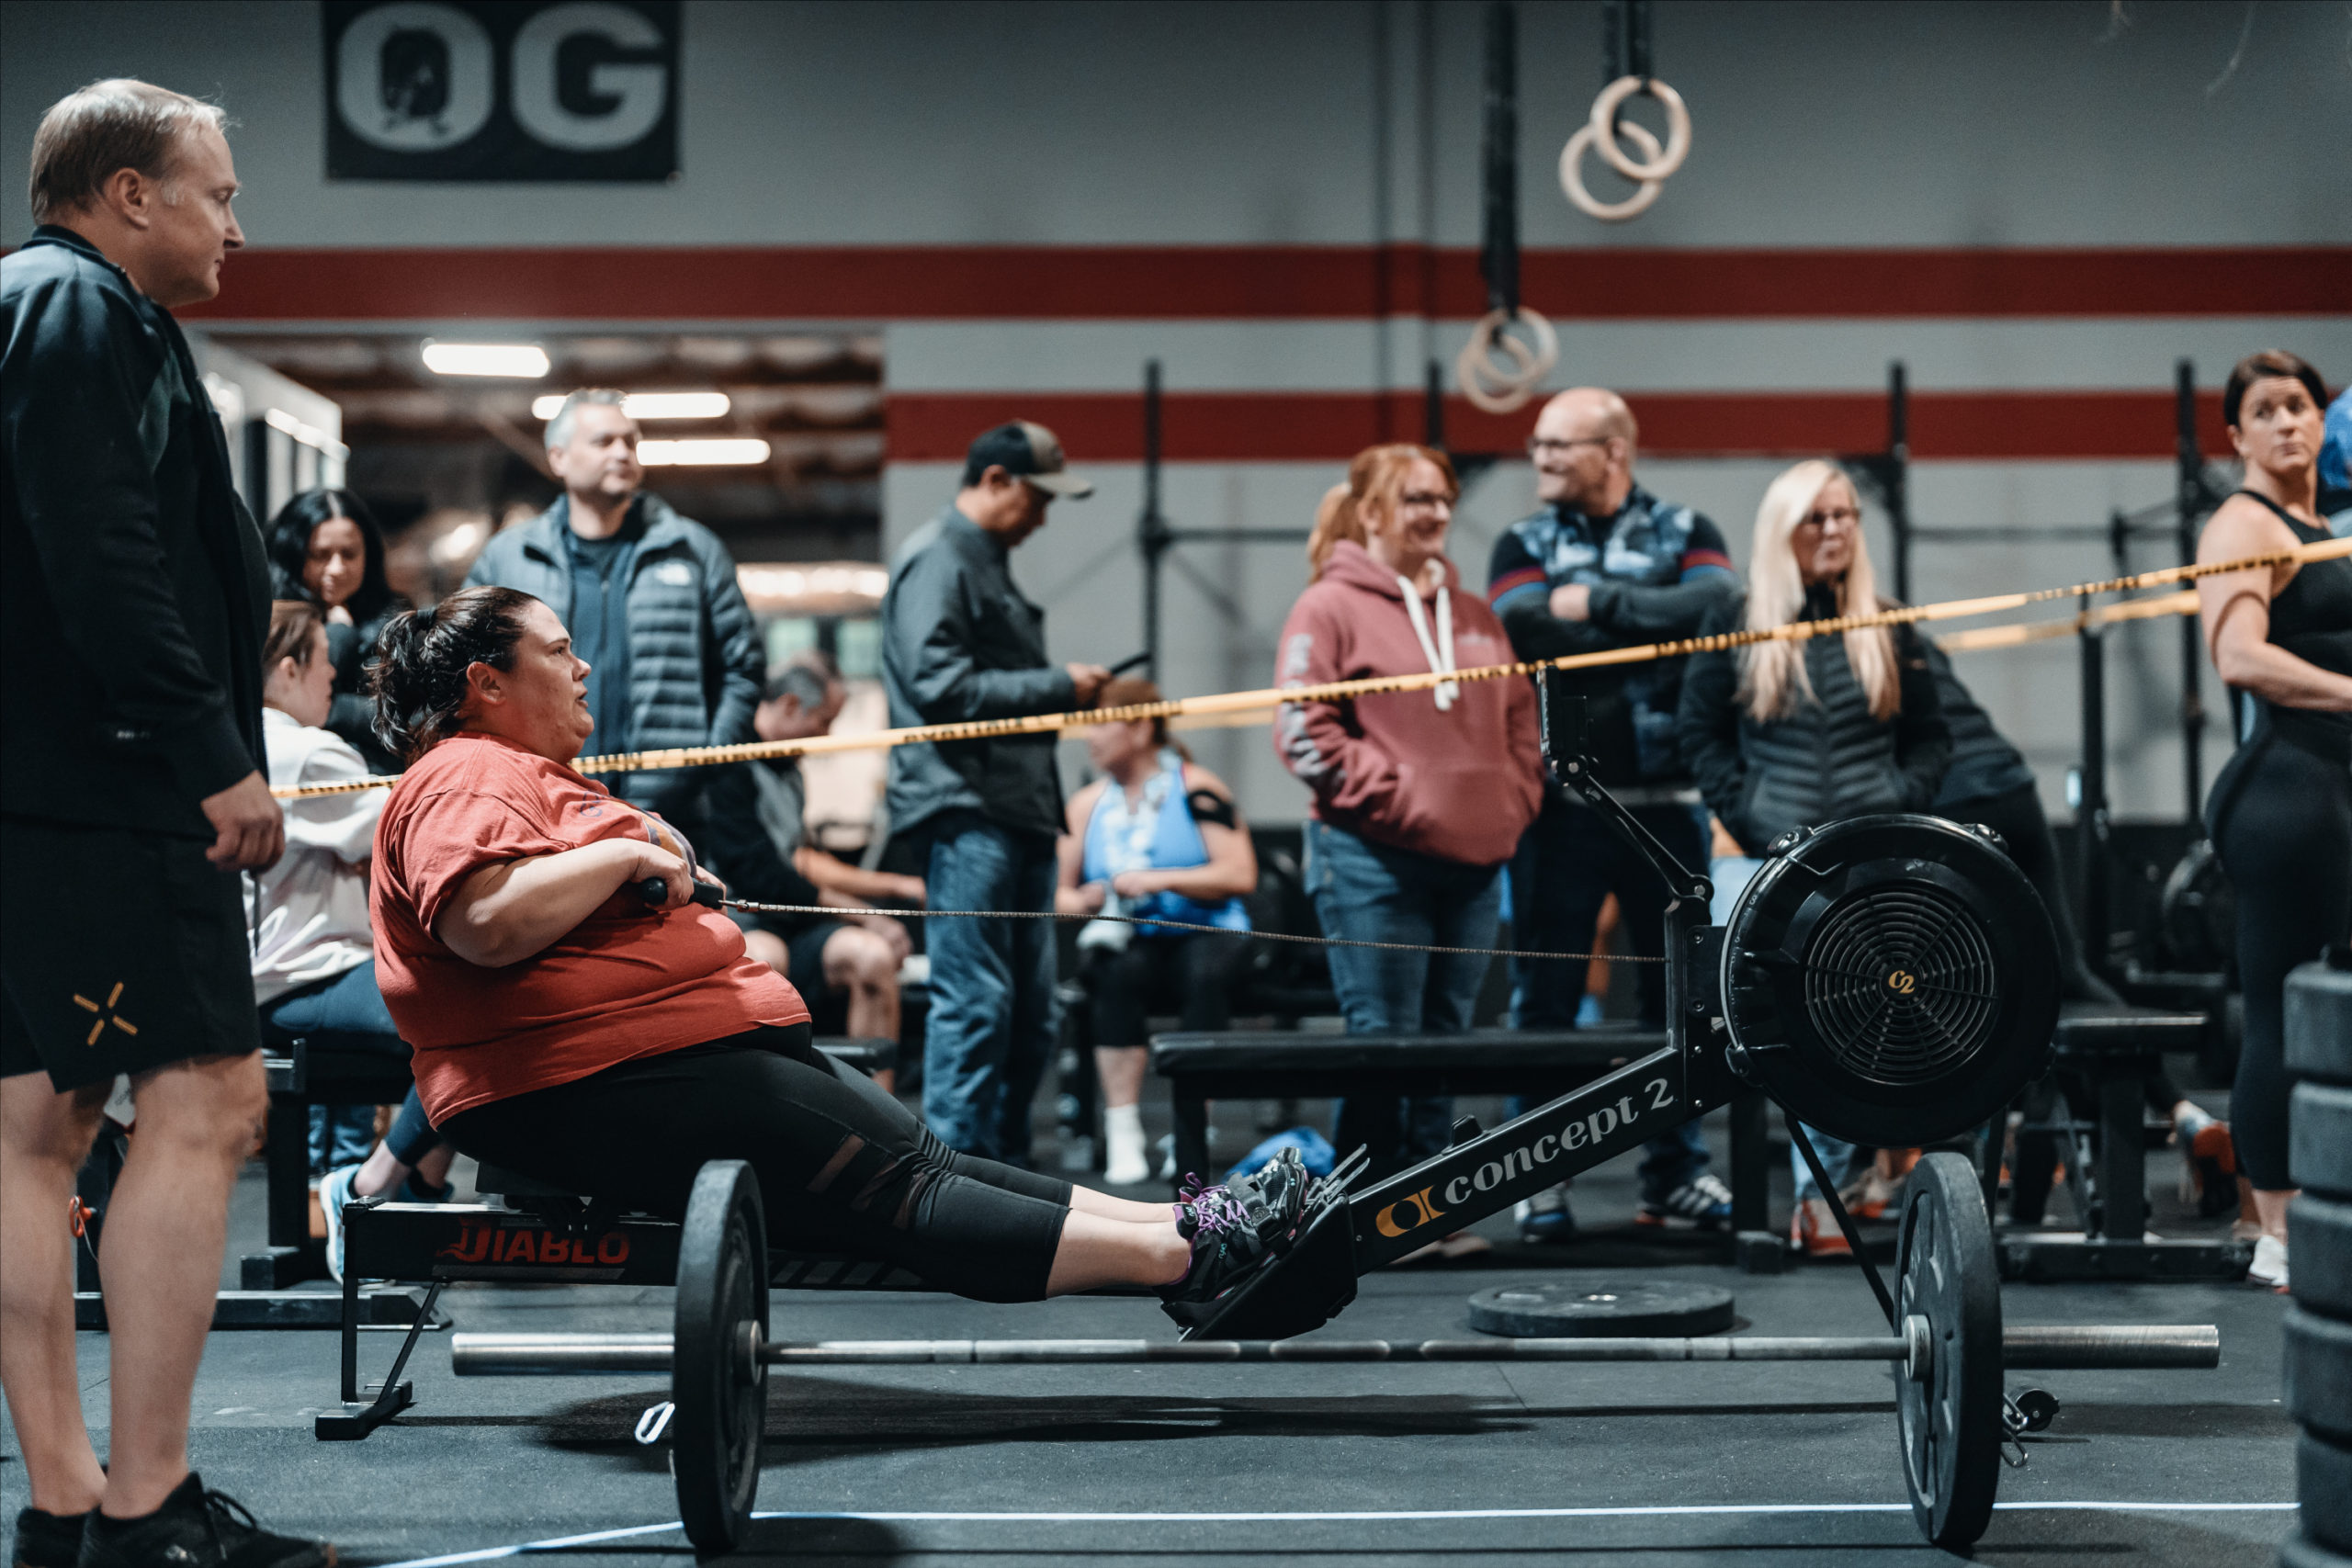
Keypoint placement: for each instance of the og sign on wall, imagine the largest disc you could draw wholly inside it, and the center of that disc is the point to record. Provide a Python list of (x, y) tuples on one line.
[(468, 90)]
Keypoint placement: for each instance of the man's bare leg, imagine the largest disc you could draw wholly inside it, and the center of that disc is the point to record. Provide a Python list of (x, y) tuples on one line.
[(166, 1231), (44, 1138), (862, 964)]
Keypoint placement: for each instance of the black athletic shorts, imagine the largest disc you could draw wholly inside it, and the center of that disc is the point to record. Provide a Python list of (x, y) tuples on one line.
[(120, 952)]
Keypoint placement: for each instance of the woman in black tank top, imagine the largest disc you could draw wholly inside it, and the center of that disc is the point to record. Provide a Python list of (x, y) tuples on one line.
[(2281, 812)]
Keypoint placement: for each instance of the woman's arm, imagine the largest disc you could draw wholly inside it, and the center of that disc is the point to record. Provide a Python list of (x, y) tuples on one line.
[(852, 886), (1231, 871), (1070, 857), (2235, 606), (1706, 726), (506, 913)]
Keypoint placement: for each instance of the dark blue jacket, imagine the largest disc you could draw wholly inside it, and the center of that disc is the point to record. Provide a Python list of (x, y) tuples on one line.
[(134, 592), (695, 661), (1655, 570)]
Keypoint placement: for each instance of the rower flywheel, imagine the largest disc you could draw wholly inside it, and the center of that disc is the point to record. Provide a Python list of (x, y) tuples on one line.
[(1891, 978)]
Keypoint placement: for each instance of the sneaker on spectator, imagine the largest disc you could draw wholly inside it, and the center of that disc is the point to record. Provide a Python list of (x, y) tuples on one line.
[(1813, 1229), (197, 1529), (1872, 1194), (2269, 1265), (47, 1540), (335, 1191), (2209, 1164), (1703, 1203), (1545, 1217)]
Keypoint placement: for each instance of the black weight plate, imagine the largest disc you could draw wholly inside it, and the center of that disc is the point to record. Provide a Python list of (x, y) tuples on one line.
[(2300, 1552), (1553, 1311), (2319, 1139), (1892, 979), (2319, 1373), (2319, 1240), (2319, 1023), (720, 1390), (1950, 1422), (2324, 1486)]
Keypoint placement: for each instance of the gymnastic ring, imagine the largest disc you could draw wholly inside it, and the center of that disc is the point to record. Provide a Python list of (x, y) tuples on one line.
[(1572, 177), (1678, 127), (1487, 385)]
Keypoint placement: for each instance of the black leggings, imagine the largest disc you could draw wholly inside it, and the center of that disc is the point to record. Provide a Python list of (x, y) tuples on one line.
[(2016, 816), (1191, 975), (842, 1166), (2281, 819)]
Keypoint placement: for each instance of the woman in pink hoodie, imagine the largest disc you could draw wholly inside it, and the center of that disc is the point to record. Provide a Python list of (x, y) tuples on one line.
[(1418, 798)]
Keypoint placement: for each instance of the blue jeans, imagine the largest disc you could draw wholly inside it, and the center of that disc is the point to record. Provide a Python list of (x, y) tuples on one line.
[(1368, 892), (346, 1013), (990, 1028), (1569, 860), (1731, 875)]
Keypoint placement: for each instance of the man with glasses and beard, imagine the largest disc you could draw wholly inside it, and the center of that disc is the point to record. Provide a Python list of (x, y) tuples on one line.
[(1605, 564)]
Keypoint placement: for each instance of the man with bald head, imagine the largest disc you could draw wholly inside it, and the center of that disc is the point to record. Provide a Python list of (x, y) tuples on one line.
[(1605, 564)]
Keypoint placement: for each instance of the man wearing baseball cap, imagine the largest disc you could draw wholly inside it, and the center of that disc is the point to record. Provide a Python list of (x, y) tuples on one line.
[(959, 642)]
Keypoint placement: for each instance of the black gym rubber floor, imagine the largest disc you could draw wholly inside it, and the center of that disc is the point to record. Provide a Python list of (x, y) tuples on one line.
[(1357, 1464)]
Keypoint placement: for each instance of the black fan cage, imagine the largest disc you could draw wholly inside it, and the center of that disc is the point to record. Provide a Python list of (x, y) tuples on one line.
[(1900, 984)]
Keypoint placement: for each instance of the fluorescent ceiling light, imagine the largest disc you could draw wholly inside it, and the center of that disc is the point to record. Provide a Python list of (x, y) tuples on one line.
[(649, 405), (705, 451), (520, 361)]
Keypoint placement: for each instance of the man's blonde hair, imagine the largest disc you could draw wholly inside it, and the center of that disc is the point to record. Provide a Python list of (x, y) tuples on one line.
[(121, 123)]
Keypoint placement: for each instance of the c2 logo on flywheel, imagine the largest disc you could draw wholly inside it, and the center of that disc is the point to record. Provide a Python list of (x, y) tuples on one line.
[(1904, 981)]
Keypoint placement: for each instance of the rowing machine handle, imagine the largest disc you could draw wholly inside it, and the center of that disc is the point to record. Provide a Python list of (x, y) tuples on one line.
[(653, 890)]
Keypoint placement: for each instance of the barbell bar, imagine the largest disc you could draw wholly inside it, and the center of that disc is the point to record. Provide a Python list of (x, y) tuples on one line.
[(2054, 1348)]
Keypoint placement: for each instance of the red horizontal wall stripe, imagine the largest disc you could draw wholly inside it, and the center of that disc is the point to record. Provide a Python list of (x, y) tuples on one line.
[(1275, 282), (1332, 426)]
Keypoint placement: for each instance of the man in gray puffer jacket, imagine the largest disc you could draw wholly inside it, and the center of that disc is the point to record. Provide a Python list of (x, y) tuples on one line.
[(649, 598)]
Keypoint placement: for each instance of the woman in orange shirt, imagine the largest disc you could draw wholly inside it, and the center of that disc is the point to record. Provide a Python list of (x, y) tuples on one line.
[(566, 1028)]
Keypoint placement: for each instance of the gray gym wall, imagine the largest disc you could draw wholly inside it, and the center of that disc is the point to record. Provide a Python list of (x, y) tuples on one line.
[(1919, 125)]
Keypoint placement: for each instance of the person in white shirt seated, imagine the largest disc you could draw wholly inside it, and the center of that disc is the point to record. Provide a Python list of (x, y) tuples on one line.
[(314, 957)]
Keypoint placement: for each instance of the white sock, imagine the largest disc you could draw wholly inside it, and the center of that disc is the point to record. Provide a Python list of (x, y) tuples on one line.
[(1124, 1162)]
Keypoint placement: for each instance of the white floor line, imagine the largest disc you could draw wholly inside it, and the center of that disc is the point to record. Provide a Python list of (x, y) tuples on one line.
[(1375, 1515)]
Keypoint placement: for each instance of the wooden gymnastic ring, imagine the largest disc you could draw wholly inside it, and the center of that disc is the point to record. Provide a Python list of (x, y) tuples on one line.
[(1572, 176), (1493, 388), (1605, 124)]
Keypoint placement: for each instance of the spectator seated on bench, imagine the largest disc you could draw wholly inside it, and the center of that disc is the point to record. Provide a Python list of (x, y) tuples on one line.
[(1157, 837), (572, 1031), (845, 966), (314, 966)]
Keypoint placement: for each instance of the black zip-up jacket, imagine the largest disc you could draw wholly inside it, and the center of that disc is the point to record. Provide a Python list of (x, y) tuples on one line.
[(960, 642), (134, 593), (1827, 761)]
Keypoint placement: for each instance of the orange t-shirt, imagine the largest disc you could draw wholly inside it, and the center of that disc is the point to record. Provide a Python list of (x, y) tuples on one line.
[(625, 982)]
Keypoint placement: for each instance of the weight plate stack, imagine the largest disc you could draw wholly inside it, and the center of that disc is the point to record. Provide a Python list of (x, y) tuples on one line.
[(717, 1381), (1891, 979), (2319, 1251), (1949, 1410)]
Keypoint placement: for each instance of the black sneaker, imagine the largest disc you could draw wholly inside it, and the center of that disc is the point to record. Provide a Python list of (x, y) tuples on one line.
[(1234, 1230), (46, 1539), (196, 1528)]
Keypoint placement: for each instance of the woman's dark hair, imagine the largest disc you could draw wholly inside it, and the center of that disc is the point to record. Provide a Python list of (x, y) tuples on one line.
[(2263, 367), (292, 625), (419, 676), (290, 549)]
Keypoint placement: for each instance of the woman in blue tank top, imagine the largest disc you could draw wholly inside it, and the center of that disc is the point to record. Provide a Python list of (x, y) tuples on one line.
[(1157, 836)]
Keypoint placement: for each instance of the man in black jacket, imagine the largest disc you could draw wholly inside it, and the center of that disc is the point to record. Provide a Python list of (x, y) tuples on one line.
[(959, 642), (1606, 564), (133, 602)]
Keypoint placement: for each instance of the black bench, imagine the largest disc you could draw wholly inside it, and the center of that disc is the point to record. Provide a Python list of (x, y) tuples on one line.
[(1541, 1063), (2111, 1052), (301, 1075), (537, 1234)]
